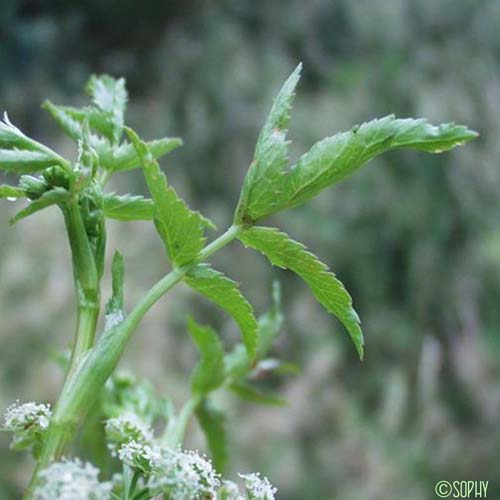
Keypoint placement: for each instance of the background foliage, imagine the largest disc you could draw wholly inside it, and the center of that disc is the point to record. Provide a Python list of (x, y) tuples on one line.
[(413, 237)]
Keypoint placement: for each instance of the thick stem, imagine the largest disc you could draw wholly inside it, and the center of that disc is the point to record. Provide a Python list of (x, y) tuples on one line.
[(92, 369)]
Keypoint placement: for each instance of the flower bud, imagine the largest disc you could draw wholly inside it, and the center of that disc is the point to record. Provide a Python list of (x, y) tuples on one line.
[(34, 187)]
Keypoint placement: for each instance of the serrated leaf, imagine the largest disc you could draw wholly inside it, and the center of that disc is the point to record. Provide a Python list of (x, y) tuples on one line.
[(52, 197), (270, 323), (271, 156), (209, 373), (110, 95), (251, 393), (337, 157), (213, 424), (126, 158), (226, 294), (270, 186), (75, 130), (100, 121), (128, 207), (24, 161), (286, 253), (11, 192), (181, 229)]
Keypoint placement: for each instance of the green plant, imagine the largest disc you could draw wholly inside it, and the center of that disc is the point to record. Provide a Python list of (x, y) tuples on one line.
[(155, 465)]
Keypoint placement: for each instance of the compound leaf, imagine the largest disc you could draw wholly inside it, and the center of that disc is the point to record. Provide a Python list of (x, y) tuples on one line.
[(213, 424), (128, 207), (209, 373), (286, 253), (226, 294), (270, 186), (181, 229)]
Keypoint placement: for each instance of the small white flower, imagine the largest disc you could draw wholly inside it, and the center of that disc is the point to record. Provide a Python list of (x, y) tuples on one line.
[(18, 417), (258, 488), (186, 475), (127, 427), (27, 421), (142, 456), (71, 480)]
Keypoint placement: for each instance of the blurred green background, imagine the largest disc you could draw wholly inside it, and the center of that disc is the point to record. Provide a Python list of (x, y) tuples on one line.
[(414, 237)]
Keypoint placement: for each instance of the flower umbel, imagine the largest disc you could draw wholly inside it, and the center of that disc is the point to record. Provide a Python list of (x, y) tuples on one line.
[(185, 475), (258, 488), (141, 456), (126, 428), (71, 480), (28, 422)]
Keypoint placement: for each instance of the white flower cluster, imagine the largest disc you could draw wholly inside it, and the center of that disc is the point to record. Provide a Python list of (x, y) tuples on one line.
[(27, 421), (71, 480), (258, 488), (183, 475), (140, 455), (124, 429)]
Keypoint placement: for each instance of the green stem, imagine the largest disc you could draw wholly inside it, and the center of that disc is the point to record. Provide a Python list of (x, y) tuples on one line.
[(87, 286), (92, 369), (87, 291), (105, 177)]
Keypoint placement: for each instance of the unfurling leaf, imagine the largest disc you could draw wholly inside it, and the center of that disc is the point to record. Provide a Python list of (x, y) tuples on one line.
[(181, 229), (270, 158), (53, 197), (213, 424), (128, 207), (209, 373), (286, 253), (226, 294)]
